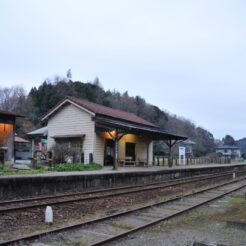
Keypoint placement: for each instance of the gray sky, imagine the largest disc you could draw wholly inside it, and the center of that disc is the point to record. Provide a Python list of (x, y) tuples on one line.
[(187, 57)]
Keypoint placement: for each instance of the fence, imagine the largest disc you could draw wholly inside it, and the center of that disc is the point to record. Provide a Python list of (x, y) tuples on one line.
[(163, 160)]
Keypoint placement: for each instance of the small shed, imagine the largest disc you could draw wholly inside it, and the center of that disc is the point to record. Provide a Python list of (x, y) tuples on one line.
[(39, 138), (188, 144)]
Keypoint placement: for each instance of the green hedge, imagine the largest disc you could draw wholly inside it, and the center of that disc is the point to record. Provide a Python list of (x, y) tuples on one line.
[(77, 167)]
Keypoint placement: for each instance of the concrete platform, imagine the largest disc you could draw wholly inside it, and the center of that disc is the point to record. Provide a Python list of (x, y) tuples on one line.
[(22, 186)]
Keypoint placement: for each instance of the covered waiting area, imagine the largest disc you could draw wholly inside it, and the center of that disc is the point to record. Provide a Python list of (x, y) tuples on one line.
[(117, 129)]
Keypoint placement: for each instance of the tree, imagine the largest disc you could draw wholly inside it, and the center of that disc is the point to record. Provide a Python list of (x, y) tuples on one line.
[(204, 142), (49, 93), (14, 99), (228, 140), (69, 74)]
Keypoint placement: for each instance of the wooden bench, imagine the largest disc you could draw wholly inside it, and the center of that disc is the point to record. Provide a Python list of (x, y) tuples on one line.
[(128, 162)]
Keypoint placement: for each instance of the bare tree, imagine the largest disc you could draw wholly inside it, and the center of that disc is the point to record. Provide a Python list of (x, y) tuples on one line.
[(12, 98)]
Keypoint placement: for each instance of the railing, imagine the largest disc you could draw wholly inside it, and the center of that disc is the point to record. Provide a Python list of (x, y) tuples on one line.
[(164, 160), (22, 152)]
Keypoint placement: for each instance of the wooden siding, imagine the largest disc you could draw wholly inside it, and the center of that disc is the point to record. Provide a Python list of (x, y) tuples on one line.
[(141, 146), (99, 146), (70, 121)]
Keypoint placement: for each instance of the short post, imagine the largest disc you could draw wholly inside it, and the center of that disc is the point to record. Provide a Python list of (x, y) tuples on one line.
[(234, 175), (48, 215)]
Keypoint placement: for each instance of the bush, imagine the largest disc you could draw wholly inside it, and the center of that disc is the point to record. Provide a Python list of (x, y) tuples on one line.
[(77, 167), (62, 153)]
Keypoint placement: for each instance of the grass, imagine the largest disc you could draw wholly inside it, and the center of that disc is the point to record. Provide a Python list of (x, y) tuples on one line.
[(62, 167), (77, 167), (4, 167), (7, 172)]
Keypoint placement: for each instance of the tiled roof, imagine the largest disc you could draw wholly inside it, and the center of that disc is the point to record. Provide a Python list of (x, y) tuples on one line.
[(107, 111)]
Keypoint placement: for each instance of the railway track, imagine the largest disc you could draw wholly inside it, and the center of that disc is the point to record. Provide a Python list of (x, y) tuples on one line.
[(108, 228), (15, 205)]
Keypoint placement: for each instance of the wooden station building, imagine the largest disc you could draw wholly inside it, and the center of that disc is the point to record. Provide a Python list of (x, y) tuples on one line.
[(105, 135)]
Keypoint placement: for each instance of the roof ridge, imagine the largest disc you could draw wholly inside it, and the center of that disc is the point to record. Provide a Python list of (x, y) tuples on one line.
[(97, 109), (101, 105)]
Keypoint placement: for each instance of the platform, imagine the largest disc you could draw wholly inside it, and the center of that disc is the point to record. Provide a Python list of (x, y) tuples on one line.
[(29, 185)]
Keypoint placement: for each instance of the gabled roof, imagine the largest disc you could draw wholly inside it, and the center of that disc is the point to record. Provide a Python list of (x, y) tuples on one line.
[(189, 142), (98, 109)]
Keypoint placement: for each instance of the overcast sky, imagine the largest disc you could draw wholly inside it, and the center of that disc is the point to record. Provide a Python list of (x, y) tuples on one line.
[(187, 57)]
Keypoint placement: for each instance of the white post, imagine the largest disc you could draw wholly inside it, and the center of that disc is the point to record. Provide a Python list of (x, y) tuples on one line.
[(48, 215), (182, 156)]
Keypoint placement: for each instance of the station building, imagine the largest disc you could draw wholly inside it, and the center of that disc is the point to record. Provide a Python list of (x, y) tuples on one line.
[(105, 135)]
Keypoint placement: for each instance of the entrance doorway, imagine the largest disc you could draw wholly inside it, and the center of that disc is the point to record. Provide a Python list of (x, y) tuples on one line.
[(130, 150), (109, 152)]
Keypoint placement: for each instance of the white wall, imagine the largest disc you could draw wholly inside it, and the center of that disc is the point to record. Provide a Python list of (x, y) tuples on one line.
[(99, 145), (71, 120)]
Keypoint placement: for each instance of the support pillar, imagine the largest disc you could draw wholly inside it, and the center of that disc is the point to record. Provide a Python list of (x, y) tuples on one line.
[(170, 143), (116, 138), (170, 158), (116, 153)]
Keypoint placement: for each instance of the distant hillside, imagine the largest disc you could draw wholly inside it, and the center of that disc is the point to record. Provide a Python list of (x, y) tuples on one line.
[(40, 100)]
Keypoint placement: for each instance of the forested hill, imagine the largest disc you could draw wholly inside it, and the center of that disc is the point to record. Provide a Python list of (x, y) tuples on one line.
[(39, 100)]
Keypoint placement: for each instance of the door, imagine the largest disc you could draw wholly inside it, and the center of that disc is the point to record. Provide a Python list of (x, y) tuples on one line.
[(130, 150), (109, 152)]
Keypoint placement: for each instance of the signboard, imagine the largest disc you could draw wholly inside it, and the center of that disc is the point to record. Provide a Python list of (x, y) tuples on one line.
[(182, 156)]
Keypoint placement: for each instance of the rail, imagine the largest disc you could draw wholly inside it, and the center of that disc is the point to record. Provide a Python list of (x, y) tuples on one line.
[(145, 210)]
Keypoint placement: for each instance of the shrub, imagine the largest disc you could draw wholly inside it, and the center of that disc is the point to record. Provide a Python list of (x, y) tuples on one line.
[(62, 153), (77, 167)]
